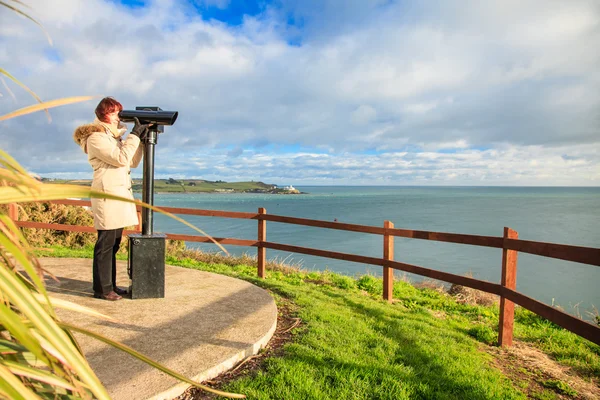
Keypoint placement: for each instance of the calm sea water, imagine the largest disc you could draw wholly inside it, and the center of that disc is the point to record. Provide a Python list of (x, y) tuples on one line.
[(558, 215)]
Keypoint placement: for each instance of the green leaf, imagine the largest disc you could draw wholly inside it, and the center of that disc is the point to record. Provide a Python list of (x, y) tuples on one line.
[(6, 346), (37, 374), (29, 359), (19, 330), (11, 164), (9, 230), (13, 388), (45, 326)]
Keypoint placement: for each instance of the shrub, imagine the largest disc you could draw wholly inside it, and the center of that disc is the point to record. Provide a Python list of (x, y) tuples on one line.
[(175, 247), (370, 284), (484, 334), (404, 289), (467, 295), (343, 282), (56, 214)]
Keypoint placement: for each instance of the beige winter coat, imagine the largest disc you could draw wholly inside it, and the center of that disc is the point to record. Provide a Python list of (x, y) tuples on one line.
[(111, 158)]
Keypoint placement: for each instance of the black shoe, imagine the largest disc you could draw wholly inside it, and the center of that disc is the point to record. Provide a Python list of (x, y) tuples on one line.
[(110, 296), (120, 291)]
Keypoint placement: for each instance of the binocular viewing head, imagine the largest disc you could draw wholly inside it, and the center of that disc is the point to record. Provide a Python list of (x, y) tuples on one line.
[(149, 115)]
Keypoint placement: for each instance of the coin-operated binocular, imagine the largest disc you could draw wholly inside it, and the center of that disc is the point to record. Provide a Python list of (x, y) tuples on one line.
[(150, 115), (147, 250)]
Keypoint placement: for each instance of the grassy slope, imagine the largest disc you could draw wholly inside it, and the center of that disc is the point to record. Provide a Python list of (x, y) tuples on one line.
[(202, 186), (161, 185), (355, 346)]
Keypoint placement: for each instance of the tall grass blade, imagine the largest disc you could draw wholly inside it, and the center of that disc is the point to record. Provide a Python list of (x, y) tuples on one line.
[(45, 192), (12, 387), (47, 327), (148, 361), (14, 242), (31, 92), (8, 347), (28, 17), (67, 305), (20, 331), (50, 349), (12, 95), (38, 375), (45, 339), (11, 164), (21, 3), (45, 105)]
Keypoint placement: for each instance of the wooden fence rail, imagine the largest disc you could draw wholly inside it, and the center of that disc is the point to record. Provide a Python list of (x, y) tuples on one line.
[(509, 243)]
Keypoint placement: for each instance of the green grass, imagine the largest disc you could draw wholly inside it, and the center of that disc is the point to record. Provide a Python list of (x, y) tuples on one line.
[(353, 345), (161, 185), (560, 387), (189, 186)]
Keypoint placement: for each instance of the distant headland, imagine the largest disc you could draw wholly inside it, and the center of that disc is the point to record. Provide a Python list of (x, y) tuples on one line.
[(195, 186)]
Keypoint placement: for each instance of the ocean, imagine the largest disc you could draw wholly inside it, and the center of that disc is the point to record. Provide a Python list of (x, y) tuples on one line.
[(566, 215)]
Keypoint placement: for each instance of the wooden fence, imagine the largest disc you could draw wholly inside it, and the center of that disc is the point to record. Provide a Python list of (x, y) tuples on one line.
[(510, 244)]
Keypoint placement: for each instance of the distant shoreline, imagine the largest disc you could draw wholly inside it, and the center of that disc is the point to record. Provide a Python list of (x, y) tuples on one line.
[(226, 193), (172, 185)]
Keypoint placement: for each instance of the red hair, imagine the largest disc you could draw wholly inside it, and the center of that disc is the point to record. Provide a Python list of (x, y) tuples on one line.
[(106, 106)]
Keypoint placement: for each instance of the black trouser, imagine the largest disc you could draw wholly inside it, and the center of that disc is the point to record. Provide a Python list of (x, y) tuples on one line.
[(105, 260)]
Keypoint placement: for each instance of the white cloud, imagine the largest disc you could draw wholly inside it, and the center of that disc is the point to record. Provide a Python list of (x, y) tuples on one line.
[(363, 114), (509, 165), (420, 108), (378, 80), (222, 4)]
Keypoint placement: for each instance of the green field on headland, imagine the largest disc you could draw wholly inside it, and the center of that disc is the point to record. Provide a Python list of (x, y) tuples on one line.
[(194, 186), (427, 344)]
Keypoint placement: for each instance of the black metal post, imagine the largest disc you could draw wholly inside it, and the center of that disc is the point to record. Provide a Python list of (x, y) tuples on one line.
[(148, 182), (147, 249)]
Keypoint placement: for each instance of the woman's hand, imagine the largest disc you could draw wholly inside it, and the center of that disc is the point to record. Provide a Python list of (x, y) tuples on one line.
[(140, 129)]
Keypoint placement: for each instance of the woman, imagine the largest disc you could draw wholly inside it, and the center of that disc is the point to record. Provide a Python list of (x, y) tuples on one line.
[(111, 157)]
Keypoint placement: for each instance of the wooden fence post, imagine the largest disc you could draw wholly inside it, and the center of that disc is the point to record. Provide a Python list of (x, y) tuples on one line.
[(388, 254), (13, 212), (262, 236), (509, 280)]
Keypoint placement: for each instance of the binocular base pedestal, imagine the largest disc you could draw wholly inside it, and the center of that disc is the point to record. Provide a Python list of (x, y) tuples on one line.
[(147, 266)]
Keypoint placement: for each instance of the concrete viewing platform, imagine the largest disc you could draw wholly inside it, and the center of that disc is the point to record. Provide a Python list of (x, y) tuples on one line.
[(204, 326)]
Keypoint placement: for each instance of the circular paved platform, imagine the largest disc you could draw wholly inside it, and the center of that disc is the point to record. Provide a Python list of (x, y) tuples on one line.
[(205, 325)]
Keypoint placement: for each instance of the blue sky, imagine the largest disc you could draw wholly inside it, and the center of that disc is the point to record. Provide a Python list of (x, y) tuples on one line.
[(501, 92), (231, 12)]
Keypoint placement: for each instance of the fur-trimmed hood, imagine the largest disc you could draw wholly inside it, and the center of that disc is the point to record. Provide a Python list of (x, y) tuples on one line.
[(83, 132)]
